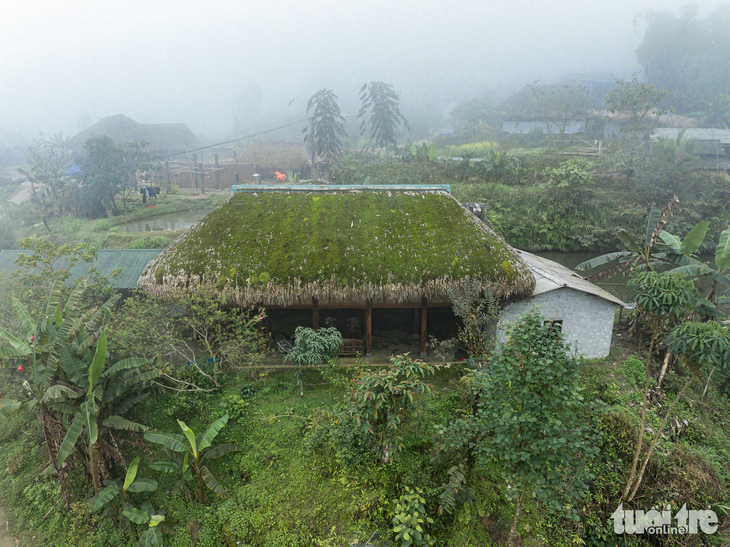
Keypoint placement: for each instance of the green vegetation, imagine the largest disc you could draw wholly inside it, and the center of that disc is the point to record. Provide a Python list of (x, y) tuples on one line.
[(312, 348), (285, 247)]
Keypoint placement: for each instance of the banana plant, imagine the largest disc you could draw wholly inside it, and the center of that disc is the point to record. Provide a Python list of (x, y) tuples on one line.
[(97, 397), (109, 499), (637, 254), (191, 452), (38, 347), (682, 257)]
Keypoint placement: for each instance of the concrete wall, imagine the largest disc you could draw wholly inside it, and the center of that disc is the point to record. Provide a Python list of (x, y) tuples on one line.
[(587, 319)]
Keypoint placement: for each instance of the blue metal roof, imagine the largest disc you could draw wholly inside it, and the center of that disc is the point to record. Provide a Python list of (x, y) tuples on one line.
[(131, 262)]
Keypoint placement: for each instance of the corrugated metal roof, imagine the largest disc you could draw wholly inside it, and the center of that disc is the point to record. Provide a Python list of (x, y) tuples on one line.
[(131, 262), (711, 134), (707, 147), (550, 276)]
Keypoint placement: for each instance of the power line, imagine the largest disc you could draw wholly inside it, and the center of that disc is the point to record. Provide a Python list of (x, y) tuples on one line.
[(234, 140)]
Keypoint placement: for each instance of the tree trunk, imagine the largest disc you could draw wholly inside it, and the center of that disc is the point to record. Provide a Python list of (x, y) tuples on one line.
[(656, 440), (644, 404), (707, 384), (518, 507), (201, 491), (665, 366), (94, 467), (47, 437)]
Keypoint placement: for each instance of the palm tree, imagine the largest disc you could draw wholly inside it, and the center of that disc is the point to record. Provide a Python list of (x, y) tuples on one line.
[(326, 127)]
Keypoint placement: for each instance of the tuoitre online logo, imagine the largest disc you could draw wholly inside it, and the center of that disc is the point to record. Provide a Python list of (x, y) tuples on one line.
[(630, 521)]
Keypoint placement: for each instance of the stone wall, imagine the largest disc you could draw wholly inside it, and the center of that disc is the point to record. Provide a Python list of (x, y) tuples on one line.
[(587, 319)]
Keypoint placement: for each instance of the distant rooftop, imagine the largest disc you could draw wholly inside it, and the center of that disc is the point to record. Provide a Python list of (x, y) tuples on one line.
[(696, 133), (130, 261), (170, 137)]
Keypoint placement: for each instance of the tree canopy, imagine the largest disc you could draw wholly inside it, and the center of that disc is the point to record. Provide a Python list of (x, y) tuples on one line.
[(690, 56), (381, 114)]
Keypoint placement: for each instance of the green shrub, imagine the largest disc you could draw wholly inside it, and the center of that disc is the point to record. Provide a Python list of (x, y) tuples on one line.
[(149, 242), (410, 520), (634, 372), (249, 389)]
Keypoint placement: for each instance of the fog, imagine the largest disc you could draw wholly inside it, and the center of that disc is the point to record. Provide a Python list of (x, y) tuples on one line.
[(226, 67)]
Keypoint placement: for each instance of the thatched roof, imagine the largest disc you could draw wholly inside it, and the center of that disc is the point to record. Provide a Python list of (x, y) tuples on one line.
[(286, 248)]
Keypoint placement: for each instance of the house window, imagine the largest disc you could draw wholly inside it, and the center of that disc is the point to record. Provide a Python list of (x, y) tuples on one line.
[(555, 325)]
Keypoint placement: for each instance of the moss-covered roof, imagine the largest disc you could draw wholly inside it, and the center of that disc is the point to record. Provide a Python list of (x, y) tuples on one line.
[(285, 248)]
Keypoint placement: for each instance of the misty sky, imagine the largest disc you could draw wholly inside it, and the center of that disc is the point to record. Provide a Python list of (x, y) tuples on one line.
[(64, 65)]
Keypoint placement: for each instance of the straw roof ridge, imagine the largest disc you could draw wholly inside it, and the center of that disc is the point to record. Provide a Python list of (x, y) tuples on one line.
[(287, 248)]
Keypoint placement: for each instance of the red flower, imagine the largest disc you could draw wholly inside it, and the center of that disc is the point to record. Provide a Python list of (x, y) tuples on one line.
[(20, 368), (32, 338)]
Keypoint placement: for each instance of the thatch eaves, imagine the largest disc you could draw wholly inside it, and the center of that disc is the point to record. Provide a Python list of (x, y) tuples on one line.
[(287, 248)]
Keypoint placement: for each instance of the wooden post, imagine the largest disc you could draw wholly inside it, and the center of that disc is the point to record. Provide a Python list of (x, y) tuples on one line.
[(216, 176), (315, 314), (202, 179), (423, 327), (262, 328), (195, 173), (369, 329), (415, 323)]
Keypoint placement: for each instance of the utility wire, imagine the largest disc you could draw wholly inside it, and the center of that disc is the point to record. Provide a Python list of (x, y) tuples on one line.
[(234, 140)]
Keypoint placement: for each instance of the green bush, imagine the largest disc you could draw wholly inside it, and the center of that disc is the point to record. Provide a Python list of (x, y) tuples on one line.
[(410, 520), (634, 372), (149, 242)]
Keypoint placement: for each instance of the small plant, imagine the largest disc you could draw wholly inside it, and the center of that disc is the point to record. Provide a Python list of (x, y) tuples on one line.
[(455, 491), (410, 520), (108, 499), (191, 453), (312, 348), (248, 390), (383, 399), (634, 371)]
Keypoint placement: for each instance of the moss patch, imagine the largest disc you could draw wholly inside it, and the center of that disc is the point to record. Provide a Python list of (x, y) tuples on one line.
[(349, 240)]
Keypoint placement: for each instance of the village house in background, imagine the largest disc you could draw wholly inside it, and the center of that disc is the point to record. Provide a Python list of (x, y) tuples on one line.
[(162, 139)]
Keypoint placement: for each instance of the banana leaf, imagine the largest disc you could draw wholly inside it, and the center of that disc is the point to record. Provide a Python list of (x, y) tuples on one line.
[(131, 473), (136, 515), (206, 439), (212, 483), (152, 537), (118, 422), (722, 252), (695, 237), (69, 440), (106, 495), (143, 484), (171, 441), (222, 450), (604, 259)]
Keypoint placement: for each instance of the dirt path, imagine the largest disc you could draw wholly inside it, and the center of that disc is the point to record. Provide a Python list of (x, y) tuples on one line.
[(5, 538), (22, 194)]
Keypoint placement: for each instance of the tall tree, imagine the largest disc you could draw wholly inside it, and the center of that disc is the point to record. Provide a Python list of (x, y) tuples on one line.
[(325, 128), (638, 104), (108, 169), (49, 160), (532, 419), (380, 113)]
